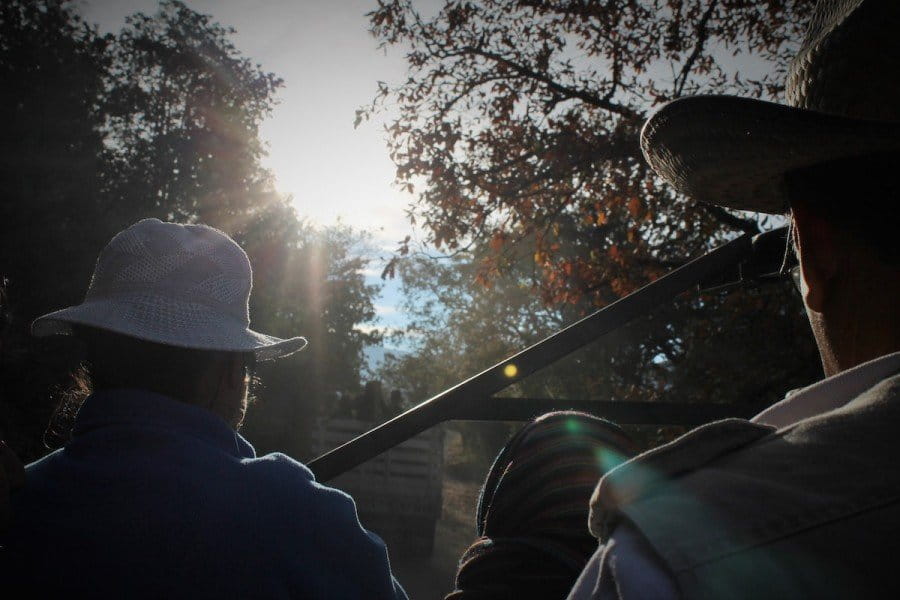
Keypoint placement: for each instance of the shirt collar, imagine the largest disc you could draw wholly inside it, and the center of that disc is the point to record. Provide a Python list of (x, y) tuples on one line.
[(830, 393), (143, 408)]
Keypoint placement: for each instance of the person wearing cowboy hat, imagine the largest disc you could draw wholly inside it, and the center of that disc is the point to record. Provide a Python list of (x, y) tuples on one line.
[(157, 495), (803, 500)]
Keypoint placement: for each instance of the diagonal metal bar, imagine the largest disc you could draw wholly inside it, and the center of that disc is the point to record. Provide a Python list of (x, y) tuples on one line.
[(623, 413), (459, 399)]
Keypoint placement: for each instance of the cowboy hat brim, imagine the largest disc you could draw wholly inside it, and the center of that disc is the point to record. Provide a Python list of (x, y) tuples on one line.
[(734, 152), (163, 321)]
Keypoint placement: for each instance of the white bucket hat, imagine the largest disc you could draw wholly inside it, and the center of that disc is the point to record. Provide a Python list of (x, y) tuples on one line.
[(178, 285), (843, 93)]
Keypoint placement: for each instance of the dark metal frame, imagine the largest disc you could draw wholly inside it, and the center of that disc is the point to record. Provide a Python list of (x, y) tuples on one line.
[(742, 259)]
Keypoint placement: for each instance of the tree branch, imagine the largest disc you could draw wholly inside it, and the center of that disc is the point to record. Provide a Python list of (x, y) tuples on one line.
[(584, 96), (731, 220), (702, 36)]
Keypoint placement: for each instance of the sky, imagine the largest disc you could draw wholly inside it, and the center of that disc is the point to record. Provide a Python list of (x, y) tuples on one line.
[(330, 65)]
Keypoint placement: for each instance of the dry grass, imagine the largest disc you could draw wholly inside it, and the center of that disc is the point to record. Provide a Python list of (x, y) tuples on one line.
[(431, 578)]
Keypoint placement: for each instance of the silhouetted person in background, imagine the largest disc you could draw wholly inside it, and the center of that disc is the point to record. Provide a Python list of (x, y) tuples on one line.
[(157, 495), (802, 501)]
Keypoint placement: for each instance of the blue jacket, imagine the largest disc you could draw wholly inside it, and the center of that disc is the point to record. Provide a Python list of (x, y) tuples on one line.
[(155, 498)]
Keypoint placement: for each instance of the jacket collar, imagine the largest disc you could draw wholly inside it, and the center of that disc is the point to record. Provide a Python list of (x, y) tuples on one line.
[(830, 393), (144, 409)]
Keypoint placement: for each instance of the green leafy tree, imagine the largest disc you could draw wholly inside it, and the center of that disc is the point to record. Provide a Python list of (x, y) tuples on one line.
[(308, 282), (183, 111), (457, 326), (52, 70), (159, 121)]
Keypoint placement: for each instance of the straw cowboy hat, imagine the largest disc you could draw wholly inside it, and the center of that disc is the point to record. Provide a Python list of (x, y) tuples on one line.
[(843, 93), (178, 285)]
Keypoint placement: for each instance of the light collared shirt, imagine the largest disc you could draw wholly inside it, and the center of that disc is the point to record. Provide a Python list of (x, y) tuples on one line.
[(626, 568), (830, 393)]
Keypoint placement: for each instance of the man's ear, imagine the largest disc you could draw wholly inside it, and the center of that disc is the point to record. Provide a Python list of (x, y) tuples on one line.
[(818, 249)]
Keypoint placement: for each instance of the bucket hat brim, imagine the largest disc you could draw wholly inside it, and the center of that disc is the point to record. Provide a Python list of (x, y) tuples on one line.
[(172, 322), (734, 152)]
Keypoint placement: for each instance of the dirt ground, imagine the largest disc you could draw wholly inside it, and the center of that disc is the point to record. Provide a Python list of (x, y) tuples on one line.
[(432, 577)]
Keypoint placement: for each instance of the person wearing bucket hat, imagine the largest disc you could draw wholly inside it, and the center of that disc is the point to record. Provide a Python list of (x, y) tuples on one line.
[(803, 500), (156, 495)]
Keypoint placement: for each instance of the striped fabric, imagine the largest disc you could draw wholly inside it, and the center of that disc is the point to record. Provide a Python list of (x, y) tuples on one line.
[(533, 539)]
